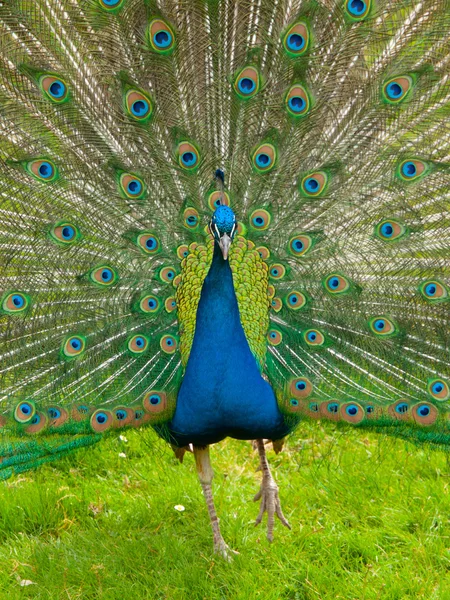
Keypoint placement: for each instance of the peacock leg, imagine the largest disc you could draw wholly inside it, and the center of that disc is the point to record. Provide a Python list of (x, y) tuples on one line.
[(268, 494), (205, 474)]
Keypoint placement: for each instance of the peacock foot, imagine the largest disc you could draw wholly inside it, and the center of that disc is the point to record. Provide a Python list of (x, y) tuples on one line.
[(268, 494), (223, 549)]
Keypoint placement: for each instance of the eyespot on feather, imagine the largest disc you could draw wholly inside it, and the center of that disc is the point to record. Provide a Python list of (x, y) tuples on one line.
[(160, 36), (122, 416), (104, 276), (42, 169), (24, 411), (358, 10), (65, 233), (438, 389), (57, 416), (81, 412), (434, 291), (396, 90), (73, 346), (149, 243), (191, 219), (314, 184), (15, 303), (400, 410), (138, 105), (383, 327), (295, 300), (277, 271), (297, 101), (168, 344), (101, 420), (412, 169), (351, 412), (148, 304), (182, 251), (154, 402), (274, 337), (247, 83), (112, 6), (131, 186), (218, 198), (296, 40), (260, 220), (167, 274), (264, 158), (424, 413), (336, 284), (188, 156), (54, 88), (138, 344), (313, 337), (300, 387), (389, 230), (263, 252), (37, 424), (170, 304), (276, 304), (330, 410), (300, 244)]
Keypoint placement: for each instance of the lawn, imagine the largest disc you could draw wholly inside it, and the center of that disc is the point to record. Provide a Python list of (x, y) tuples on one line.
[(369, 515)]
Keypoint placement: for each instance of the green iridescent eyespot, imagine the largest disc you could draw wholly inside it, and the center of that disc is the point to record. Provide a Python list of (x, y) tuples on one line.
[(65, 233), (138, 105), (73, 346), (296, 40), (314, 184), (336, 284), (434, 291), (104, 276), (297, 101), (264, 158), (42, 169), (54, 88), (390, 230), (160, 36), (383, 327), (357, 10), (147, 304), (188, 156), (14, 303), (138, 344), (260, 219), (131, 186), (314, 337), (439, 389), (412, 169), (397, 89), (247, 83)]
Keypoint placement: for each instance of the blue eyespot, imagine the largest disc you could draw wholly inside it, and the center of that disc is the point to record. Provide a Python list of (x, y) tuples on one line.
[(356, 7), (139, 414), (311, 185), (273, 335), (352, 410), (295, 42), (27, 409), (258, 221), (155, 399), (274, 272), (188, 159), (111, 2), (394, 90), (430, 289), (134, 187), (139, 108), (402, 408), (437, 387), (246, 85), (387, 230), (18, 300), (151, 243), (297, 104), (333, 282), (293, 299), (333, 407), (301, 385), (121, 414), (46, 170), (312, 336), (192, 220), (423, 411), (57, 89), (106, 275), (370, 409), (75, 343), (314, 407), (298, 245), (101, 418), (54, 413), (35, 420), (68, 232), (162, 39), (263, 160), (409, 169), (380, 324), (83, 409), (293, 402), (140, 342)]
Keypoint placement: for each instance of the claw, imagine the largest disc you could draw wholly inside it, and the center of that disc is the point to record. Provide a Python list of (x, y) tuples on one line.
[(224, 550)]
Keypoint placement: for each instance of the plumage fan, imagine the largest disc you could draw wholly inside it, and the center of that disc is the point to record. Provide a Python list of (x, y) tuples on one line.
[(222, 218)]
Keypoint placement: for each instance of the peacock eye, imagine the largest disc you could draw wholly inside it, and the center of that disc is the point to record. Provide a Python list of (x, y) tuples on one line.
[(296, 300), (101, 420), (314, 185), (168, 344), (296, 40), (260, 219), (170, 304), (138, 344), (161, 37), (389, 230), (104, 276), (111, 5), (216, 199), (277, 271), (382, 326), (65, 233), (73, 346), (439, 389), (358, 9), (24, 411), (274, 337), (264, 158), (167, 274), (352, 412), (424, 413), (300, 387), (149, 304), (297, 101), (434, 291), (43, 170), (15, 302), (313, 337), (154, 401), (336, 284), (138, 105), (263, 252), (54, 88), (191, 218), (299, 245), (149, 243), (247, 83), (188, 156), (412, 169), (397, 89), (131, 186)]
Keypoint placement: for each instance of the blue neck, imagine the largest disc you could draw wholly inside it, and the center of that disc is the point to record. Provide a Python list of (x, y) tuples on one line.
[(222, 392)]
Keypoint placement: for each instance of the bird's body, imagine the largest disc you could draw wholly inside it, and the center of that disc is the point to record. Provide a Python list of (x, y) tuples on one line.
[(220, 219)]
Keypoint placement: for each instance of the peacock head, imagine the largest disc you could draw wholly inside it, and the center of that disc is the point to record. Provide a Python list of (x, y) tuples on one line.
[(223, 227)]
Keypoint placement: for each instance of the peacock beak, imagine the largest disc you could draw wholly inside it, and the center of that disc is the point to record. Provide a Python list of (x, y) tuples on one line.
[(225, 243)]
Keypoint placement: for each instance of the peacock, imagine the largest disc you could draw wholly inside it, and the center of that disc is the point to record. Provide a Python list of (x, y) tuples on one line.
[(221, 218)]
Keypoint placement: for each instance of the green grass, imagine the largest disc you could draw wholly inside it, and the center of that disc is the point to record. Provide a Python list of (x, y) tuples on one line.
[(369, 515)]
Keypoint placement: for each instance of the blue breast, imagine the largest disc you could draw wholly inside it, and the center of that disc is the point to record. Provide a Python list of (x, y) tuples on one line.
[(222, 393)]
